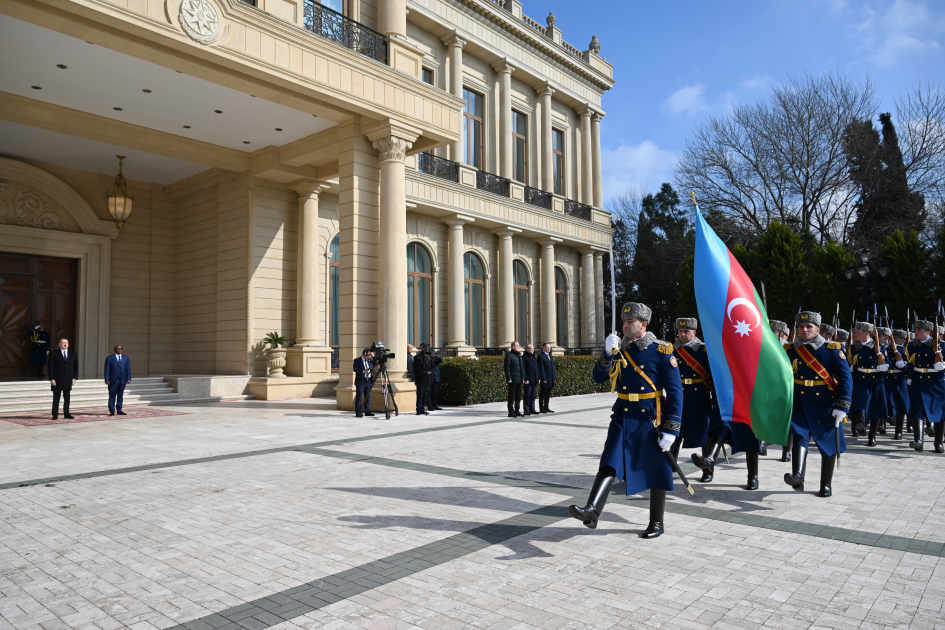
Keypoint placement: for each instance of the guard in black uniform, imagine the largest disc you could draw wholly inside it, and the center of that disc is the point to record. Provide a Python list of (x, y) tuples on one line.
[(644, 424), (926, 373), (39, 351), (869, 392)]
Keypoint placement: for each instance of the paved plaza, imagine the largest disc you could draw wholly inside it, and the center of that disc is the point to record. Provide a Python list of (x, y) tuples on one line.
[(293, 515)]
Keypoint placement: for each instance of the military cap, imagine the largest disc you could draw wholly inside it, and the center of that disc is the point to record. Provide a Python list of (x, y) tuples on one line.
[(864, 326), (911, 336), (842, 335), (924, 324), (826, 330), (637, 311), (899, 333), (807, 317), (885, 332), (779, 327), (687, 323)]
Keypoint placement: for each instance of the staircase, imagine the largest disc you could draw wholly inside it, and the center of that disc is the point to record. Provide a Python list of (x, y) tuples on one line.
[(36, 396)]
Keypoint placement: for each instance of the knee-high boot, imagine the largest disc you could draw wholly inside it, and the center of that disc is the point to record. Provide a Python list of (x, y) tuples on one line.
[(827, 464), (929, 431), (939, 436), (882, 426), (858, 427), (657, 509), (707, 462), (900, 419), (752, 460), (871, 438), (918, 435), (795, 478), (786, 449), (596, 500)]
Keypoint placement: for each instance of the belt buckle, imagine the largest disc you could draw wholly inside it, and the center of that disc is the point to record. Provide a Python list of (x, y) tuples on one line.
[(808, 383), (868, 370), (687, 381), (633, 397)]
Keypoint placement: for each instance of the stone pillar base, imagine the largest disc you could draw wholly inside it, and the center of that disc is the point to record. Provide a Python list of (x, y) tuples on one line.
[(464, 351), (264, 388), (557, 351), (405, 395), (308, 361)]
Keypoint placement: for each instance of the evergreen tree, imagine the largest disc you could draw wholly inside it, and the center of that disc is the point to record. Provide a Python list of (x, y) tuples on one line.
[(686, 290), (828, 286), (906, 284), (778, 261)]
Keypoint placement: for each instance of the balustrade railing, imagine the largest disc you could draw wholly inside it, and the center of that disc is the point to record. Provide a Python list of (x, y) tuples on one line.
[(571, 49), (491, 352), (532, 24), (492, 183), (445, 352), (537, 197), (332, 25), (438, 167), (581, 352), (577, 209)]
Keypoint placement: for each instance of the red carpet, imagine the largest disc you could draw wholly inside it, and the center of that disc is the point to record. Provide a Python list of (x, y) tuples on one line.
[(38, 418)]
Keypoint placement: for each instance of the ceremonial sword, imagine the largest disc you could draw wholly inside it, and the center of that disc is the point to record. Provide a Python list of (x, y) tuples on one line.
[(674, 464)]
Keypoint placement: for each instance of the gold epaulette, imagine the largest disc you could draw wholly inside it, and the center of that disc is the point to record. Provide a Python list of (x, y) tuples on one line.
[(666, 348), (787, 346), (834, 345)]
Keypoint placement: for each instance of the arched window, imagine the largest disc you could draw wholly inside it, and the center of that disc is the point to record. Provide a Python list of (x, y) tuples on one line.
[(561, 307), (334, 298), (475, 288), (419, 295), (521, 302)]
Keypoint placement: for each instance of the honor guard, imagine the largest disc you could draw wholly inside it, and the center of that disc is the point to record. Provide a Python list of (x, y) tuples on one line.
[(646, 418), (843, 337), (739, 437), (40, 349), (827, 331), (696, 379), (869, 392), (885, 346), (897, 392), (783, 333), (926, 374), (822, 390)]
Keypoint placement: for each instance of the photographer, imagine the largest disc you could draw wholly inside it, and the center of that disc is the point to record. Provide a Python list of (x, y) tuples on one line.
[(514, 376), (422, 373), (363, 382), (434, 382)]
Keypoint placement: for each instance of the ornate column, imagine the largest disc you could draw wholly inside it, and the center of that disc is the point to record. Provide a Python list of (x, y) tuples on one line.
[(595, 142), (600, 309), (547, 155), (455, 44), (306, 300), (589, 291), (456, 329), (392, 18), (587, 162), (506, 287), (549, 315), (505, 71)]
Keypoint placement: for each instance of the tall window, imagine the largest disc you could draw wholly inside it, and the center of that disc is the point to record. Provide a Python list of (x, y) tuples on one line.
[(419, 295), (334, 294), (521, 302), (520, 147), (557, 150), (472, 129), (475, 300), (561, 307), (427, 76), (334, 5)]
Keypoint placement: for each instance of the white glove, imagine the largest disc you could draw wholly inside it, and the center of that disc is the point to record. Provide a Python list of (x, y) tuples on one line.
[(611, 343), (666, 442), (838, 416), (939, 367), (883, 367), (900, 364), (909, 382)]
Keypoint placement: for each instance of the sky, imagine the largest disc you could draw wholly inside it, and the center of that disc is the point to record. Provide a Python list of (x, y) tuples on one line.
[(678, 63)]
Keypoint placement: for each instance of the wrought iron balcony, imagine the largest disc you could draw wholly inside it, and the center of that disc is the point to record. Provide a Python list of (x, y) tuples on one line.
[(439, 167), (537, 197), (491, 352), (577, 209), (445, 352), (492, 183), (332, 25), (582, 352)]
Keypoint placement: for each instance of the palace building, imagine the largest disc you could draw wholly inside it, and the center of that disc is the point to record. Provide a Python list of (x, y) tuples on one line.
[(338, 172)]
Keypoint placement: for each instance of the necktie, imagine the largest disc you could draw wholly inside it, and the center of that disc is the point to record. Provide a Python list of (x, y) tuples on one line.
[(119, 358), (64, 355)]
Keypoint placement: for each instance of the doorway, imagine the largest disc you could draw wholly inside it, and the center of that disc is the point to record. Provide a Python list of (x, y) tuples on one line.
[(34, 289)]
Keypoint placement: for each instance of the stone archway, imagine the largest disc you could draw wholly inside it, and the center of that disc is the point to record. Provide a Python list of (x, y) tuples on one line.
[(41, 215)]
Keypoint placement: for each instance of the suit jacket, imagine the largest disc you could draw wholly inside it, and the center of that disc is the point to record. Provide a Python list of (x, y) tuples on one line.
[(410, 367), (361, 364), (62, 370), (546, 369), (116, 370), (531, 367)]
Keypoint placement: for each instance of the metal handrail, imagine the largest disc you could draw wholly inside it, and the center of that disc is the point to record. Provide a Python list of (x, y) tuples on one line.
[(438, 167), (492, 183), (581, 352), (491, 352), (332, 25), (537, 197), (577, 209)]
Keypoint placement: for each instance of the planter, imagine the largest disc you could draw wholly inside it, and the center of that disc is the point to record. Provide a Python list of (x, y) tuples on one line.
[(275, 361)]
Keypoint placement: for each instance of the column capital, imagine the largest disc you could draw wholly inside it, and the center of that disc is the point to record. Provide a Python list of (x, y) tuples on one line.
[(549, 241), (308, 188), (545, 90), (504, 66), (585, 110), (588, 250), (597, 116), (391, 138), (454, 39), (507, 231), (458, 221), (599, 255)]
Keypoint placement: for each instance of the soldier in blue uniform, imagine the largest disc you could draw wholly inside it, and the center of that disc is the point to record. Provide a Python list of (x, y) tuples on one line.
[(781, 330), (869, 392), (643, 424), (822, 390), (897, 393), (39, 351), (843, 337), (696, 379), (926, 373)]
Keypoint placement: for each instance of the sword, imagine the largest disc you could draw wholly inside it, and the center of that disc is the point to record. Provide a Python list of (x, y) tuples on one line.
[(836, 435), (613, 290), (764, 298), (675, 465)]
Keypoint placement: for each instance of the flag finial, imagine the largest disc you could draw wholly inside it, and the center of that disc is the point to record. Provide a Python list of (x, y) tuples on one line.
[(692, 195)]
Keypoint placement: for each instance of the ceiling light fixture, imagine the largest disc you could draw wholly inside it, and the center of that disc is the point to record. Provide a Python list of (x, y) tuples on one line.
[(218, 111), (146, 91), (245, 141), (36, 87), (61, 66), (119, 201), (186, 126), (278, 128)]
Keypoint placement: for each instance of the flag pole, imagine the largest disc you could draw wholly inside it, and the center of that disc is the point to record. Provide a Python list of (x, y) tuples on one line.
[(613, 290)]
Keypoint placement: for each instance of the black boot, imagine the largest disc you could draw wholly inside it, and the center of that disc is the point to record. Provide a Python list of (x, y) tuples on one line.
[(827, 465), (596, 500), (939, 437), (707, 462), (786, 449), (763, 451), (858, 427), (677, 444), (928, 429), (897, 435), (917, 434), (871, 439), (882, 426), (795, 478), (752, 461), (657, 508)]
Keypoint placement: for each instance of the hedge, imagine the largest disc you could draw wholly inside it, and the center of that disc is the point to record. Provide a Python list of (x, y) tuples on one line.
[(465, 381)]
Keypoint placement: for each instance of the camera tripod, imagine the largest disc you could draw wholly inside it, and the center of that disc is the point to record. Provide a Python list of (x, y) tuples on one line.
[(386, 391)]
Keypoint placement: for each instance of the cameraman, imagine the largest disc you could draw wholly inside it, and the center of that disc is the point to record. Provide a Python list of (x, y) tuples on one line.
[(434, 382), (363, 382), (422, 374)]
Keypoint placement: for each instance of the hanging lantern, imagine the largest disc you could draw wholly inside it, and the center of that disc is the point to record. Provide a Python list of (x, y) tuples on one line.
[(119, 201)]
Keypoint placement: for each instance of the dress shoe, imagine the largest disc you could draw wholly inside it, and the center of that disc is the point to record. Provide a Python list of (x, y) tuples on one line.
[(369, 413), (111, 413), (122, 413), (653, 530), (549, 410), (68, 416), (358, 415), (438, 409), (55, 416)]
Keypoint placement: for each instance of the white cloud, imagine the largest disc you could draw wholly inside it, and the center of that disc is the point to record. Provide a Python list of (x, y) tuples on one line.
[(644, 165), (687, 100), (905, 27)]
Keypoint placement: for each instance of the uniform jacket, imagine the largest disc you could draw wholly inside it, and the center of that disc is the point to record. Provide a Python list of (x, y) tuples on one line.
[(815, 402), (530, 361), (116, 370), (38, 352), (694, 393), (863, 361), (435, 377), (546, 370), (514, 367), (928, 385), (63, 370), (895, 375), (657, 361), (361, 364)]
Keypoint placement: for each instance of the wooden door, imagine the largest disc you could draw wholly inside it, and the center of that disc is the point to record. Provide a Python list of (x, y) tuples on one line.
[(34, 288)]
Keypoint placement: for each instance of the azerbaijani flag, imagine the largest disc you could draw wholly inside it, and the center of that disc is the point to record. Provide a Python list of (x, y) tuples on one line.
[(754, 382)]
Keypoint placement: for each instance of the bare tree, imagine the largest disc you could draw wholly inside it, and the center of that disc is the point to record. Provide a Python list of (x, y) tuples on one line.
[(921, 116), (780, 159)]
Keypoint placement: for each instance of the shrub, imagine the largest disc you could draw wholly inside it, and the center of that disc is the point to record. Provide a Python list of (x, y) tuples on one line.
[(466, 381)]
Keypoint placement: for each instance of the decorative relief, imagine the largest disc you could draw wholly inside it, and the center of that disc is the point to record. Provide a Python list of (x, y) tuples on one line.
[(392, 148), (31, 211), (200, 20)]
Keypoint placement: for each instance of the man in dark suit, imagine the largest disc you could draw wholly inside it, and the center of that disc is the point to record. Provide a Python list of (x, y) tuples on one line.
[(363, 382), (63, 370), (546, 373), (531, 378), (117, 375)]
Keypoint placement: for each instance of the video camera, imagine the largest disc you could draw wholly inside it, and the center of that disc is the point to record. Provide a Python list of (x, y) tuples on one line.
[(381, 354)]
